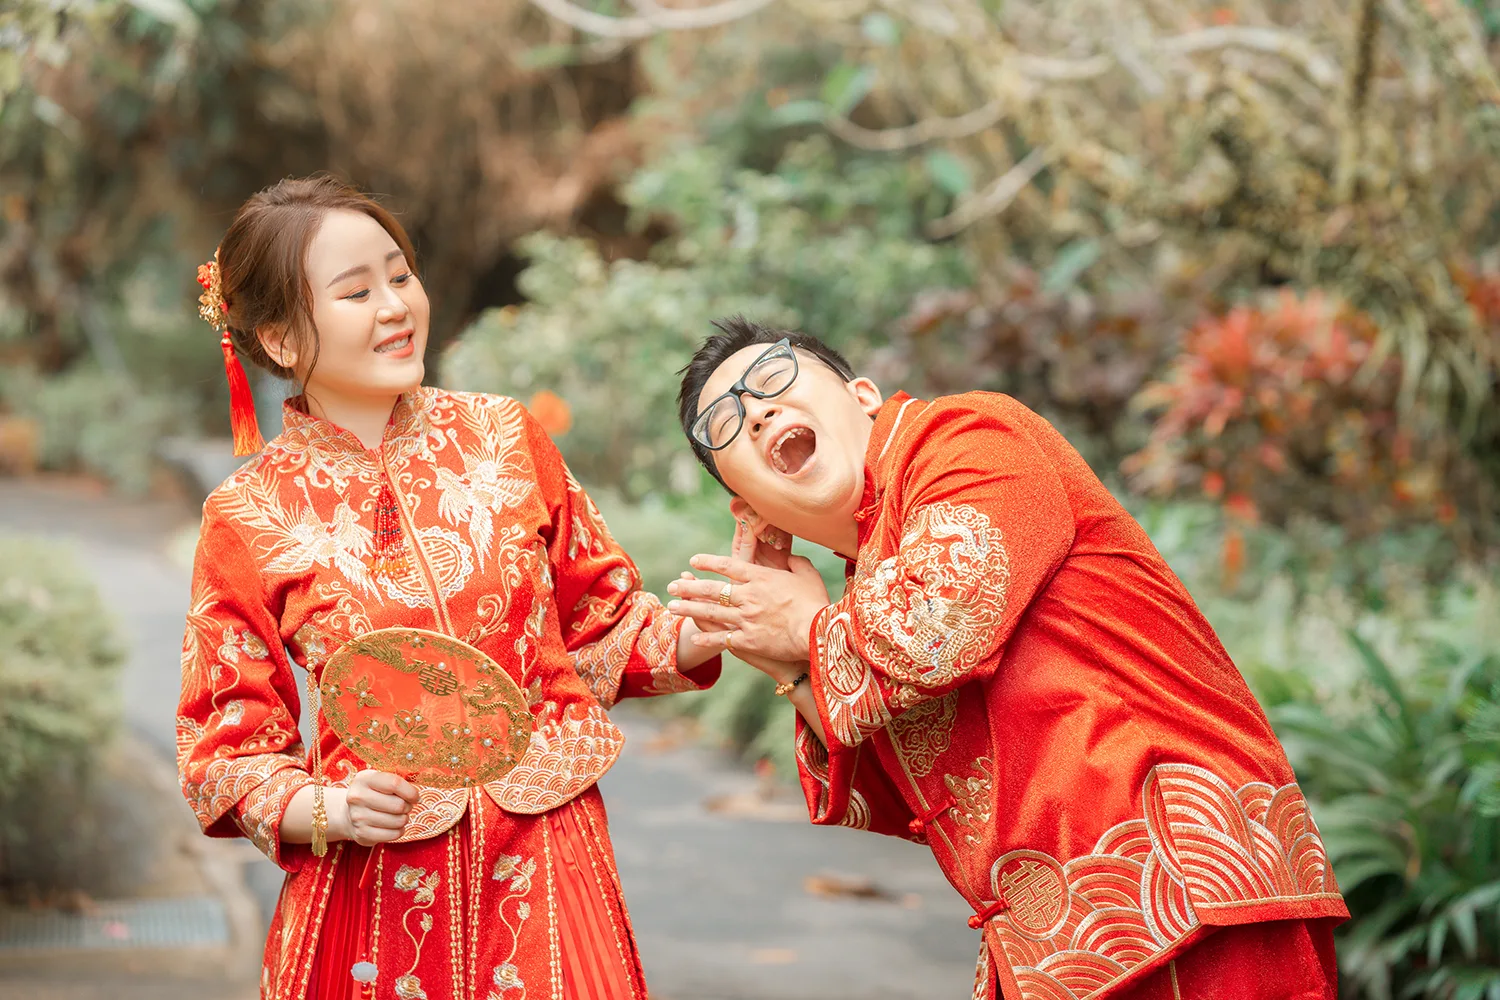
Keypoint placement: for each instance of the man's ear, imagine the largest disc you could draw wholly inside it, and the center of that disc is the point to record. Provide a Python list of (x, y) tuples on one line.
[(742, 511), (866, 393)]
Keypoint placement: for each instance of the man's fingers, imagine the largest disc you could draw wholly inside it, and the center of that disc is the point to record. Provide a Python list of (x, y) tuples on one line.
[(743, 546), (702, 611), (800, 564), (735, 569), (698, 590), (771, 557)]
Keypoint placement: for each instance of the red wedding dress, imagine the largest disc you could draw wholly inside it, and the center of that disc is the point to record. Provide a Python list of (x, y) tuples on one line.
[(465, 521)]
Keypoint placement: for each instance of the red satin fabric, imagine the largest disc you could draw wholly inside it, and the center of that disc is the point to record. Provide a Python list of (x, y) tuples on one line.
[(345, 929), (586, 948), (1279, 960), (592, 969), (1016, 677)]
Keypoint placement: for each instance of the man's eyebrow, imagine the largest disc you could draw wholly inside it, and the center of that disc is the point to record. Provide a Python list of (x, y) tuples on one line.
[(365, 268)]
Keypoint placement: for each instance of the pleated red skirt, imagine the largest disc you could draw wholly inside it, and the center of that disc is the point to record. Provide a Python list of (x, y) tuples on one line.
[(499, 904)]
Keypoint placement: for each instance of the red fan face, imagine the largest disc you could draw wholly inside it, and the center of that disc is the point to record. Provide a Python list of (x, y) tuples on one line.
[(427, 707)]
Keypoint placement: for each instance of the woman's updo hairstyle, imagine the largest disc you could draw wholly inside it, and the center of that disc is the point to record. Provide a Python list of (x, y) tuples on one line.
[(263, 262)]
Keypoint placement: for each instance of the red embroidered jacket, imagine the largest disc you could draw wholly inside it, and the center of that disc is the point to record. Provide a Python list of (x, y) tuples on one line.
[(1016, 676), (502, 549)]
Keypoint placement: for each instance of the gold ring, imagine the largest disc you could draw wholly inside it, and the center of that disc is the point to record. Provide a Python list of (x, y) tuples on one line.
[(728, 644), (724, 595)]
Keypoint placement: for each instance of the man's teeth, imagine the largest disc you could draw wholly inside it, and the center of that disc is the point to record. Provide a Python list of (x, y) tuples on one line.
[(394, 345), (776, 458)]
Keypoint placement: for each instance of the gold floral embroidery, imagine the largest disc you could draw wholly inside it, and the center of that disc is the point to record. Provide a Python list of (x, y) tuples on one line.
[(516, 559), (923, 734), (518, 872), (496, 475), (588, 533), (928, 613), (348, 617), (423, 886), (973, 798), (592, 612)]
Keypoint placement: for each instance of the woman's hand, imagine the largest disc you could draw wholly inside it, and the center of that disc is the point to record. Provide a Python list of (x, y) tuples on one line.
[(372, 810)]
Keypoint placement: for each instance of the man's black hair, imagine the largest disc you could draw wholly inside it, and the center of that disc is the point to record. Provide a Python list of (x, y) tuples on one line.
[(735, 334)]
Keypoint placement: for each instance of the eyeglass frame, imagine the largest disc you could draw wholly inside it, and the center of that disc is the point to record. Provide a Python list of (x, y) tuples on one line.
[(740, 388)]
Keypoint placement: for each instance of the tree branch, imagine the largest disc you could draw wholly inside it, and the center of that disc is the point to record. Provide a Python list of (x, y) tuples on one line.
[(1268, 40), (653, 17), (925, 131), (994, 199)]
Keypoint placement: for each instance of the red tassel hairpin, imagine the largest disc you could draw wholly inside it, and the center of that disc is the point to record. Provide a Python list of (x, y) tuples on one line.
[(215, 311)]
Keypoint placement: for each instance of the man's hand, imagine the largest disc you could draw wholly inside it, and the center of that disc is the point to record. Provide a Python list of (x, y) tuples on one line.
[(374, 810), (770, 611)]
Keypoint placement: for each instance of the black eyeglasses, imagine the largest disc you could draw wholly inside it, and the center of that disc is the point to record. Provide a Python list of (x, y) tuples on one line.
[(769, 375)]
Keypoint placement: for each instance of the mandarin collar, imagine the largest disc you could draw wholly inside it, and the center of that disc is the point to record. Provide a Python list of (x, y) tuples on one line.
[(879, 459), (406, 423)]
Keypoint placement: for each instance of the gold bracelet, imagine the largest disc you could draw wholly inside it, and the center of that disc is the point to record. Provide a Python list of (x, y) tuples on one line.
[(786, 689)]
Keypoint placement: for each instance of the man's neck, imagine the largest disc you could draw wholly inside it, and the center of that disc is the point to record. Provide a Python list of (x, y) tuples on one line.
[(365, 417)]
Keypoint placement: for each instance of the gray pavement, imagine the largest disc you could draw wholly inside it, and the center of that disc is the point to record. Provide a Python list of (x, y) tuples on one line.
[(719, 901)]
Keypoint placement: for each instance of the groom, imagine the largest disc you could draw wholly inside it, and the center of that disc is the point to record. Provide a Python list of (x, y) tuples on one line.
[(1013, 677)]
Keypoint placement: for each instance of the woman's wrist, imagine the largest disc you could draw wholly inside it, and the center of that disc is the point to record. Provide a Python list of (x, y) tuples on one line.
[(690, 655), (336, 801)]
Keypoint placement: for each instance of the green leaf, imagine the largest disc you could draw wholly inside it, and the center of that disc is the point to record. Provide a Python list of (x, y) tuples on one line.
[(1071, 262), (799, 113), (1381, 674), (173, 12), (880, 28), (948, 172), (846, 85), (1465, 929), (548, 56)]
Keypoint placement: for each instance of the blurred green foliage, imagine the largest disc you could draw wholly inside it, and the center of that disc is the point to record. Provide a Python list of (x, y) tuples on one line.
[(814, 241), (1401, 771), (59, 665)]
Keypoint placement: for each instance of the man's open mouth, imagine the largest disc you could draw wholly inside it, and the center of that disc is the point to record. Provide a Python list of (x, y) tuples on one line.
[(793, 450)]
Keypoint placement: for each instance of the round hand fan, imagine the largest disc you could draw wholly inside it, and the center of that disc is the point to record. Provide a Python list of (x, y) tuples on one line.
[(425, 706)]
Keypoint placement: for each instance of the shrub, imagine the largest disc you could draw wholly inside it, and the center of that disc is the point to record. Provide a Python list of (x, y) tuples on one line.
[(97, 422), (1286, 409), (59, 660), (1402, 781), (813, 243)]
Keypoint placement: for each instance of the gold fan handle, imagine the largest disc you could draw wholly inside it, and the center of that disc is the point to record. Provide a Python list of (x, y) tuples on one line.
[(320, 808)]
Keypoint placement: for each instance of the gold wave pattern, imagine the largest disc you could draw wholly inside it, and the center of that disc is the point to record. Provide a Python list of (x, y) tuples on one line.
[(565, 757), (1073, 929)]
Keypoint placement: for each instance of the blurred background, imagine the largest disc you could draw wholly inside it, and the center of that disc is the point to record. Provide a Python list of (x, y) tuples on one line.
[(1245, 255)]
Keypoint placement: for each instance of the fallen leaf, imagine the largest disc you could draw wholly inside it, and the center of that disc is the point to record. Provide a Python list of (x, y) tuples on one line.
[(847, 886)]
